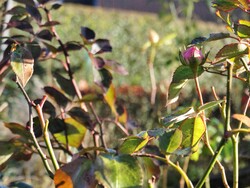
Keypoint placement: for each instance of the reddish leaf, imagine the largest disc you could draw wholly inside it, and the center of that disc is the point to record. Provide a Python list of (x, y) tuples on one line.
[(72, 45), (242, 118), (22, 25), (100, 46), (76, 174)]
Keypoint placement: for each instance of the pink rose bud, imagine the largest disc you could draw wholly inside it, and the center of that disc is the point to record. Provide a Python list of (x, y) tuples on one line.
[(192, 55)]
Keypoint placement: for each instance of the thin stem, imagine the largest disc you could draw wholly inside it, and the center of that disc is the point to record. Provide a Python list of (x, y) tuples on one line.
[(34, 139), (49, 146), (167, 160), (206, 141), (152, 74)]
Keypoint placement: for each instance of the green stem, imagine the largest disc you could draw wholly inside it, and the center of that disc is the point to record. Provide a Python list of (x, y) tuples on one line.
[(227, 127), (44, 124), (49, 146), (36, 144), (152, 74), (182, 173)]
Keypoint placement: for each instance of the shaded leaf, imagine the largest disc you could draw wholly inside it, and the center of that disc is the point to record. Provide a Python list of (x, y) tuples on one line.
[(56, 5), (87, 34), (133, 144), (101, 46), (7, 150), (217, 36), (156, 132), (22, 25), (22, 63), (34, 48), (65, 84), (170, 141), (181, 75), (50, 23), (57, 125), (75, 133), (118, 171), (34, 12), (231, 50), (76, 174), (242, 28), (57, 96), (19, 184), (115, 66), (106, 79), (70, 46), (45, 34), (91, 97), (26, 2), (209, 105), (18, 129), (192, 130), (48, 108), (81, 116), (151, 169), (17, 10), (242, 118)]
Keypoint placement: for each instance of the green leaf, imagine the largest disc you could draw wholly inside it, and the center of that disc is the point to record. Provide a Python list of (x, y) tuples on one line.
[(133, 144), (118, 171), (225, 5), (208, 105), (181, 75), (76, 174), (170, 141), (217, 36), (243, 29), (18, 129), (242, 118), (22, 63), (75, 133), (110, 98), (192, 130), (7, 150), (65, 84), (178, 116), (230, 51)]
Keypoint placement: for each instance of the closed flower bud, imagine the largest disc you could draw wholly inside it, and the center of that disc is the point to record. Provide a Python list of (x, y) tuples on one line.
[(193, 55), (153, 37)]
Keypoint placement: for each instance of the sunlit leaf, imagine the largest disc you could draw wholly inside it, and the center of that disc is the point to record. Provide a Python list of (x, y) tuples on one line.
[(118, 171), (75, 133), (178, 116), (242, 29), (133, 144), (22, 63), (110, 98), (242, 118), (76, 174), (192, 130), (170, 141), (225, 5)]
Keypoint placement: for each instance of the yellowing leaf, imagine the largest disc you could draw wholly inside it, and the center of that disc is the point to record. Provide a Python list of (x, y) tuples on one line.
[(110, 98), (75, 133), (22, 63), (242, 118)]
